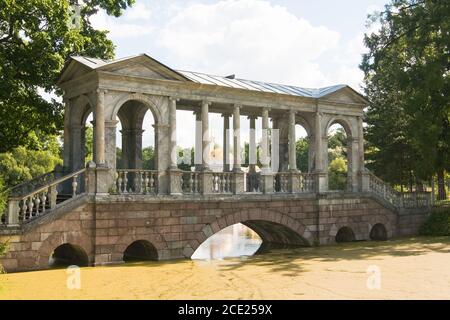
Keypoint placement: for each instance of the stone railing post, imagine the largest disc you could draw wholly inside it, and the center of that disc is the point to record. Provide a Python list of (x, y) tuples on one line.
[(206, 178), (13, 213), (53, 196), (267, 182), (365, 181), (238, 186), (294, 182), (90, 177), (175, 181), (321, 182)]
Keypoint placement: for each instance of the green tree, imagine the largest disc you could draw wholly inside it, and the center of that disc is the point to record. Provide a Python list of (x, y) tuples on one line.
[(337, 174), (36, 37), (407, 81), (148, 158), (22, 164), (302, 151)]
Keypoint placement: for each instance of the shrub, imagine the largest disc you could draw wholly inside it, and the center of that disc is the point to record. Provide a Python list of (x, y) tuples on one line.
[(3, 248), (438, 224)]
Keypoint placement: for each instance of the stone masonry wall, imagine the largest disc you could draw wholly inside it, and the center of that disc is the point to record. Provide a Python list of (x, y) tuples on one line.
[(176, 228)]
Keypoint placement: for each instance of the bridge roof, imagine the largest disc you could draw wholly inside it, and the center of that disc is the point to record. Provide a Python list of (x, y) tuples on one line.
[(224, 81)]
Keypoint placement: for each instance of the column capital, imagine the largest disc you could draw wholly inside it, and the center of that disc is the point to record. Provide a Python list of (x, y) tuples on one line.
[(99, 90), (174, 99), (237, 105), (206, 102)]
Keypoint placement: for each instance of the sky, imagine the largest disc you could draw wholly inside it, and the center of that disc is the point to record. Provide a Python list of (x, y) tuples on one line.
[(298, 42)]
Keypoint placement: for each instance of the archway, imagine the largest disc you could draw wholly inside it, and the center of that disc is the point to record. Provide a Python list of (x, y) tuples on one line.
[(338, 155), (233, 241), (136, 136), (378, 232), (345, 234), (80, 140), (272, 232), (140, 250), (68, 254)]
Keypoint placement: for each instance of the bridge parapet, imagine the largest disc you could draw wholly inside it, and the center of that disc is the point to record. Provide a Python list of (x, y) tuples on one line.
[(49, 194)]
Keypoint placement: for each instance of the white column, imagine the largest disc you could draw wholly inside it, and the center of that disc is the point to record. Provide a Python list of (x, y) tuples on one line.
[(100, 128), (205, 135), (265, 157), (252, 156), (173, 132), (237, 138), (226, 142), (292, 142), (198, 141)]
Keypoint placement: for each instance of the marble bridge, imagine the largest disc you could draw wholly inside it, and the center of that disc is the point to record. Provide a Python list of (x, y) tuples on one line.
[(110, 211)]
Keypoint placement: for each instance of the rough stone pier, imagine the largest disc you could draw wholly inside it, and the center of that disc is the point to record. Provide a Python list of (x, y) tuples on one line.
[(110, 211)]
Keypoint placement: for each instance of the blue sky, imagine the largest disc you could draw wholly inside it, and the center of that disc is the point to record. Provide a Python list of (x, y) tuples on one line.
[(299, 42)]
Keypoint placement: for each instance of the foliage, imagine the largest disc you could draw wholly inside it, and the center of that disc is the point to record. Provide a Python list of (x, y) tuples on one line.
[(36, 37), (438, 224), (407, 81), (337, 142), (337, 174), (22, 164), (3, 249), (302, 151), (89, 144), (148, 158)]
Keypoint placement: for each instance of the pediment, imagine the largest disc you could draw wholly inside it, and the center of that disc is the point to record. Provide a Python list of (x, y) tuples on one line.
[(141, 70), (345, 95), (143, 66)]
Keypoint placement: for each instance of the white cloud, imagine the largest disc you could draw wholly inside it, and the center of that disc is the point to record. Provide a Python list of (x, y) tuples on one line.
[(137, 12), (254, 39), (123, 28)]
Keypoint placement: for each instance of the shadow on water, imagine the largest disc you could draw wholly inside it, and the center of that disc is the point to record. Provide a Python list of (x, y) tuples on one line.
[(288, 262)]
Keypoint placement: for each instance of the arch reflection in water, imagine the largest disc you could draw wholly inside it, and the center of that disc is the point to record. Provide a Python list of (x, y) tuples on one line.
[(234, 241)]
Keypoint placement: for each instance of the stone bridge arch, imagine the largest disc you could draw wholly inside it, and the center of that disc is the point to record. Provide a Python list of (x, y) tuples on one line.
[(77, 238), (275, 229), (136, 234)]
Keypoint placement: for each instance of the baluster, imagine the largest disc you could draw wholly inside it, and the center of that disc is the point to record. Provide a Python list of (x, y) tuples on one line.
[(44, 200), (142, 182), (74, 185), (37, 201), (30, 207), (152, 182), (191, 183), (125, 182), (119, 182), (197, 182), (22, 209)]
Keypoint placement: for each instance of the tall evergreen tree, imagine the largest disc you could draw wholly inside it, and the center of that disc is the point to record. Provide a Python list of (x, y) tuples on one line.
[(407, 79)]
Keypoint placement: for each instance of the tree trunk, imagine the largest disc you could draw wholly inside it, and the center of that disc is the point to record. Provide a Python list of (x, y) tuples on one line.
[(441, 185)]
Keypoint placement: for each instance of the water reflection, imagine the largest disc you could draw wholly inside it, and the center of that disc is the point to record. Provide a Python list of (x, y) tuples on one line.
[(234, 241)]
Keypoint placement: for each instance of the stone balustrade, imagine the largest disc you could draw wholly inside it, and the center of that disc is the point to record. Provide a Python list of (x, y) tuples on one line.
[(23, 208), (136, 181)]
